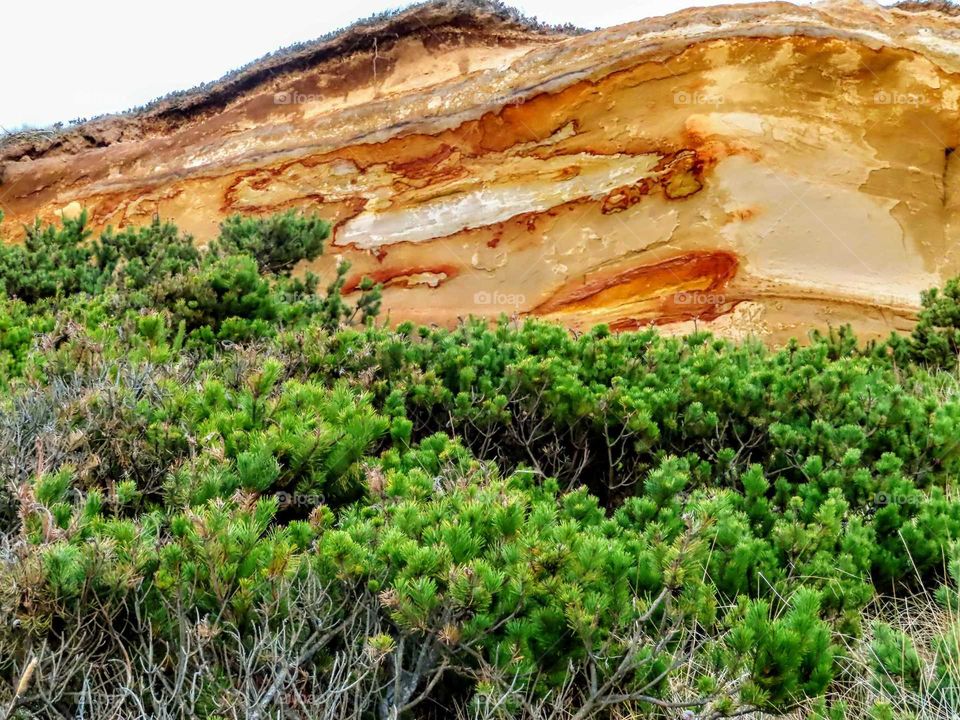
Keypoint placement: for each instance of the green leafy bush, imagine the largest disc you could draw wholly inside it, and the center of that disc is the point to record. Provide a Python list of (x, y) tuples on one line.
[(936, 338), (225, 471), (277, 243), (51, 262)]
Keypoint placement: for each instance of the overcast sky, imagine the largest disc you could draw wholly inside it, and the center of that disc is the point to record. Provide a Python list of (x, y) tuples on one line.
[(60, 60)]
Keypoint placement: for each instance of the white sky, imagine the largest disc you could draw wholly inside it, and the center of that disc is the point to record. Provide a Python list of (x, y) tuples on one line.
[(62, 60)]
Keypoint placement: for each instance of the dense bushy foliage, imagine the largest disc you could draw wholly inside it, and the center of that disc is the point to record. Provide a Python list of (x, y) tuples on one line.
[(277, 242), (936, 338), (229, 495), (240, 288)]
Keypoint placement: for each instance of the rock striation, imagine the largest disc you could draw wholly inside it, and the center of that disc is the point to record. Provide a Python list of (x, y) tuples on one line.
[(753, 169)]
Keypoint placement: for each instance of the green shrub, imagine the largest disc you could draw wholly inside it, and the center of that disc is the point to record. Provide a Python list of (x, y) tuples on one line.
[(52, 262), (277, 242), (895, 662), (273, 505), (936, 338)]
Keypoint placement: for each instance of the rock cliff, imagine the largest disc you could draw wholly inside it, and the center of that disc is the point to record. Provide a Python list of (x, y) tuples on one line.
[(756, 169)]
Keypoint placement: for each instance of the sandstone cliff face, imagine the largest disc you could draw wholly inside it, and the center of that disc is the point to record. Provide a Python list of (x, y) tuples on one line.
[(754, 169)]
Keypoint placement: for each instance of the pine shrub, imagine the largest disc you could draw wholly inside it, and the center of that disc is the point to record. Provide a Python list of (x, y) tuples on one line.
[(219, 466)]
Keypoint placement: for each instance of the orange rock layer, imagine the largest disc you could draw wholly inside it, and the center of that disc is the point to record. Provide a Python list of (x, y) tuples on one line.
[(755, 169)]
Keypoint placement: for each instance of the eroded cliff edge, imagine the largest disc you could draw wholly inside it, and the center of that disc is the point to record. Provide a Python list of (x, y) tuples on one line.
[(756, 168)]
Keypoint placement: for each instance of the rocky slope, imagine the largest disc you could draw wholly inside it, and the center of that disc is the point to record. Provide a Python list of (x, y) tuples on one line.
[(755, 168)]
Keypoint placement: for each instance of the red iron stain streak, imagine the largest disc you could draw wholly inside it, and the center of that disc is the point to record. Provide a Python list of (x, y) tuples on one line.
[(680, 288), (396, 276)]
